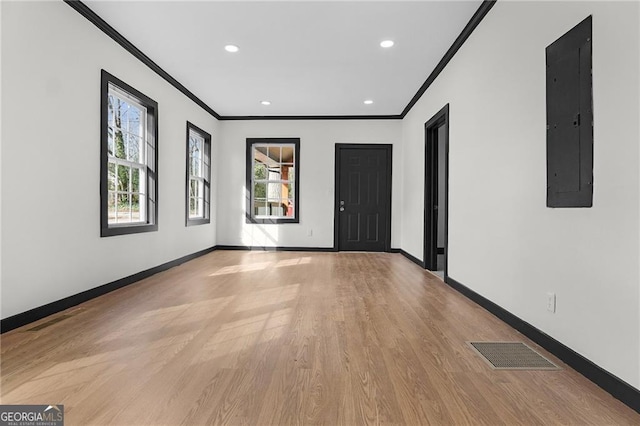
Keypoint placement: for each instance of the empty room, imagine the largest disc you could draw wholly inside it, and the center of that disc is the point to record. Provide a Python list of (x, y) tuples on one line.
[(319, 212)]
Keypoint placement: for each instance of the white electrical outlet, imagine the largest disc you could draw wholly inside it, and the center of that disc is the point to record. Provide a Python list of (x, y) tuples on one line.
[(310, 232), (551, 302)]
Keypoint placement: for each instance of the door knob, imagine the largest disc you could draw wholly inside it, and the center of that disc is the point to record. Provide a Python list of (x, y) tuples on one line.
[(341, 209)]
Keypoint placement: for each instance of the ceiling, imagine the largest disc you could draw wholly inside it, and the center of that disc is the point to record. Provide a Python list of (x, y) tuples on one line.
[(305, 57)]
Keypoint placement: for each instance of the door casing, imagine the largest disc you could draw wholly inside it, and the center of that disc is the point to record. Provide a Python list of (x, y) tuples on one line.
[(430, 257)]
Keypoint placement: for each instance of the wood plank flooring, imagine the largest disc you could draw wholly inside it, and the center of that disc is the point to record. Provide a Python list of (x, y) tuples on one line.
[(264, 338)]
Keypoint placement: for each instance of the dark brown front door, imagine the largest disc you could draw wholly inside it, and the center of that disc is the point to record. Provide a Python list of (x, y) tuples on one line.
[(363, 205)]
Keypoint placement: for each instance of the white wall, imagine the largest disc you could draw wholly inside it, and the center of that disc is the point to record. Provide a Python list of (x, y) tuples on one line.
[(51, 245), (504, 243), (317, 161)]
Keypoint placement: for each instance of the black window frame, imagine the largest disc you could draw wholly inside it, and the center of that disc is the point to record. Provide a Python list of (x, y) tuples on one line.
[(107, 230), (207, 178), (250, 217)]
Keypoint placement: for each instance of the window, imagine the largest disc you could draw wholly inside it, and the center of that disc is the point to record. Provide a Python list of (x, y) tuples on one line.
[(273, 171), (129, 158), (198, 175)]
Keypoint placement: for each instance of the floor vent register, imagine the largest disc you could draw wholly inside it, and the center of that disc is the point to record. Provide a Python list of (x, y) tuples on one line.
[(511, 356)]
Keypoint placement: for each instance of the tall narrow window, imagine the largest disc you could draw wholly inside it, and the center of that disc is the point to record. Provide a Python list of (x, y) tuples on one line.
[(273, 171), (198, 175), (129, 158)]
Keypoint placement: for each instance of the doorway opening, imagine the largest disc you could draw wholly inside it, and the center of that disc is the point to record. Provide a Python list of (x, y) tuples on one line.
[(436, 192), (362, 212)]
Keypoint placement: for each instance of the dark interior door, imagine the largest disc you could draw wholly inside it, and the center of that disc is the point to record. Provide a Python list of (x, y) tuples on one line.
[(431, 199), (436, 191), (364, 197)]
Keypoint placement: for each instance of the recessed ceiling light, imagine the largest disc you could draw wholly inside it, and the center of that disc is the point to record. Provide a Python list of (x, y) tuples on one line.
[(265, 102), (386, 43), (368, 102), (231, 48)]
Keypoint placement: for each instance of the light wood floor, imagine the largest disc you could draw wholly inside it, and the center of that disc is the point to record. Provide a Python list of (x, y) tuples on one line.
[(262, 338)]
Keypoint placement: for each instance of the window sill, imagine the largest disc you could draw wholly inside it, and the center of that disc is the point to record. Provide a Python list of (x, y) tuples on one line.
[(127, 229), (274, 220), (200, 221)]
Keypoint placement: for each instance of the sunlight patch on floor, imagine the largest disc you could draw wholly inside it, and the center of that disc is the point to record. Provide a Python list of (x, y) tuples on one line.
[(293, 262), (242, 335), (268, 297), (247, 267)]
